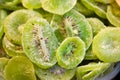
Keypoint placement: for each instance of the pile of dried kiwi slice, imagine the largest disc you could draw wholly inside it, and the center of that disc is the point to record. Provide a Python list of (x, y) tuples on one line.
[(59, 39)]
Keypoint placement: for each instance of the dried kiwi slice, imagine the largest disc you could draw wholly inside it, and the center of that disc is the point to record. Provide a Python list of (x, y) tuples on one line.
[(73, 24), (3, 14), (48, 16), (113, 19), (96, 25), (104, 1), (14, 20), (91, 71), (3, 63), (98, 8), (31, 4), (11, 49), (71, 52), (106, 44), (55, 73), (19, 68), (59, 7), (39, 42), (10, 2), (82, 9)]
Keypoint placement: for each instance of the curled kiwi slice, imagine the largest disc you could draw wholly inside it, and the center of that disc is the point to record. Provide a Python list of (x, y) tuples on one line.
[(113, 19), (19, 68), (3, 14), (55, 73), (98, 8), (96, 25), (82, 9), (14, 21), (106, 44), (71, 52), (59, 7), (73, 24), (91, 70), (31, 4), (39, 42), (11, 49)]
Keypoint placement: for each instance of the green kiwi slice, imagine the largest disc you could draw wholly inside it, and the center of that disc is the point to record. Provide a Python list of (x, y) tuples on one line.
[(106, 44), (3, 14), (98, 8), (73, 24), (48, 16), (96, 25), (91, 70), (82, 9), (14, 20), (55, 73), (19, 68), (59, 7), (11, 49), (31, 4), (71, 52), (39, 42)]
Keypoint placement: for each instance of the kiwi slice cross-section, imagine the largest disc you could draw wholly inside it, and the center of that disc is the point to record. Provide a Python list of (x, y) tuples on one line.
[(19, 68), (59, 7), (106, 44), (73, 24), (71, 52), (55, 73), (14, 21), (11, 49), (40, 42)]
